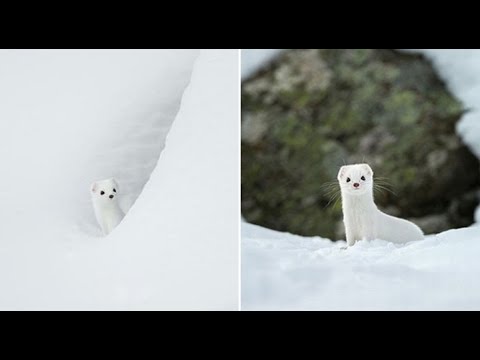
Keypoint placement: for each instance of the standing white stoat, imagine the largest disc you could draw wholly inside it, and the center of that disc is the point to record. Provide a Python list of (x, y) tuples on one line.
[(362, 219), (105, 204)]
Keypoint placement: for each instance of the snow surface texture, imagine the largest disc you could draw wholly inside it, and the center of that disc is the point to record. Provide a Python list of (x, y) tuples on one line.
[(70, 117), (287, 272), (281, 271)]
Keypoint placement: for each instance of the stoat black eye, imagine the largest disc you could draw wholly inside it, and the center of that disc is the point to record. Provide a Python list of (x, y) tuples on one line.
[(348, 179), (102, 192), (114, 190), (363, 178)]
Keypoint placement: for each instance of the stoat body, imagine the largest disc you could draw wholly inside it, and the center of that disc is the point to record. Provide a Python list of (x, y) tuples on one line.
[(105, 204), (361, 217)]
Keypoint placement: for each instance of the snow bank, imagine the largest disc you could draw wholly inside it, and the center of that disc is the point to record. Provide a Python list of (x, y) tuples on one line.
[(188, 213), (286, 272), (73, 116)]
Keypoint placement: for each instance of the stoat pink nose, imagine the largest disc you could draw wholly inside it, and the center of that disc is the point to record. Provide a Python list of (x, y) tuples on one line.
[(356, 185)]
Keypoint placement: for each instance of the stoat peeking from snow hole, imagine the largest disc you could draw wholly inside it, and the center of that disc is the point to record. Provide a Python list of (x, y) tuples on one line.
[(105, 204), (362, 219)]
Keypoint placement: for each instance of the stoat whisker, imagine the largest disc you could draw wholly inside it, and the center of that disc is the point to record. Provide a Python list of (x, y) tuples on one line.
[(329, 184), (335, 197), (330, 188), (327, 191), (381, 181), (333, 192), (332, 195), (336, 201), (377, 186), (387, 186)]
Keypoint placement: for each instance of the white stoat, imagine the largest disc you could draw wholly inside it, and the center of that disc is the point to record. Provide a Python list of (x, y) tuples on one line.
[(362, 219), (105, 204)]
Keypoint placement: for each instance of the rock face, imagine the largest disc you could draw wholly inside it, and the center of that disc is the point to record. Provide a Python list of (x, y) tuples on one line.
[(312, 111)]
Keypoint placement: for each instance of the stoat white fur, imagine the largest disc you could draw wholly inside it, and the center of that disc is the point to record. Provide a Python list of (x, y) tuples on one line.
[(362, 219), (105, 204)]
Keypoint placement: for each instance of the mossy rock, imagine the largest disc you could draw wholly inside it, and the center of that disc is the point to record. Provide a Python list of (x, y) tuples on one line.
[(312, 111)]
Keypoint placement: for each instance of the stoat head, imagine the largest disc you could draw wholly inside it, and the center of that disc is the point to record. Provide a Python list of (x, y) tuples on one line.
[(356, 179), (105, 191)]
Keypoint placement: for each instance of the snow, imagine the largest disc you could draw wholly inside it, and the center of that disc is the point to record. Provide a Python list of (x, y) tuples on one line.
[(70, 117), (281, 271)]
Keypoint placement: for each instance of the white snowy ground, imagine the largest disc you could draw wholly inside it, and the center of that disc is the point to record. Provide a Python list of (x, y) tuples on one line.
[(288, 272), (69, 117)]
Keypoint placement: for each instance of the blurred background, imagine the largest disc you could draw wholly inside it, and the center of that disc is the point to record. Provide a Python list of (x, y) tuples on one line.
[(307, 112)]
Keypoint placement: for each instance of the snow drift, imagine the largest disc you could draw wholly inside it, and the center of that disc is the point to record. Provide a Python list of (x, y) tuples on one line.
[(281, 271), (70, 117)]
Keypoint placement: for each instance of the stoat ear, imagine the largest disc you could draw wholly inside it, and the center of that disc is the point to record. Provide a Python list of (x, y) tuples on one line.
[(341, 172), (93, 187), (368, 168)]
